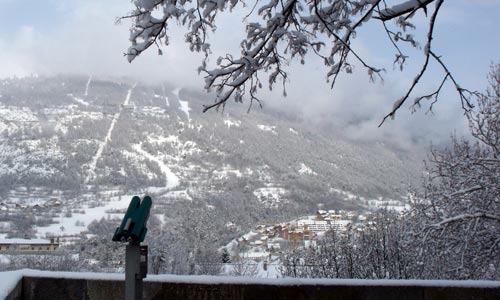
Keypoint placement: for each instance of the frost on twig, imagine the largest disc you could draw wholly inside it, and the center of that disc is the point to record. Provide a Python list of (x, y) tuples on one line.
[(280, 31)]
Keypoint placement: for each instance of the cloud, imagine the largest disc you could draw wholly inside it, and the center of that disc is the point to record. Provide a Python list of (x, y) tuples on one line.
[(85, 39), (15, 57), (355, 107)]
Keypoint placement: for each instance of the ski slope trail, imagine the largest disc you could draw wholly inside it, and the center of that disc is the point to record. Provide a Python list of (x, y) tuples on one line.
[(172, 179), (91, 173), (87, 86), (165, 95), (184, 105)]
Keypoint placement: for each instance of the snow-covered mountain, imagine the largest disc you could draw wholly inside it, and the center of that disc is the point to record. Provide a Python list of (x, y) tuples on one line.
[(67, 136)]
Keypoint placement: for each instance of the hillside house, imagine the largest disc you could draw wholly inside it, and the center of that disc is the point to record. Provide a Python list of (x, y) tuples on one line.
[(296, 233), (27, 245), (330, 215)]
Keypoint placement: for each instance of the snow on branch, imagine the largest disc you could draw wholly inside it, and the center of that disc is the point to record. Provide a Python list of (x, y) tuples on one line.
[(464, 191), (403, 8), (284, 30), (465, 217)]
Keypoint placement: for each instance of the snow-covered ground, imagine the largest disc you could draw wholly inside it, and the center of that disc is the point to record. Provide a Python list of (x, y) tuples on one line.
[(182, 148), (267, 128), (226, 171), (380, 202), (232, 123), (153, 111), (70, 225), (306, 170), (32, 159), (271, 196), (17, 114), (79, 100)]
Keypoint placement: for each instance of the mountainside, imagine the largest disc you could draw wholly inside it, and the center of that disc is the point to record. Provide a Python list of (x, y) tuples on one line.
[(68, 136)]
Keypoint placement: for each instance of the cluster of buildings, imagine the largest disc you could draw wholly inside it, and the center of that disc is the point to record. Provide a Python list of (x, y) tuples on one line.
[(267, 239), (53, 202)]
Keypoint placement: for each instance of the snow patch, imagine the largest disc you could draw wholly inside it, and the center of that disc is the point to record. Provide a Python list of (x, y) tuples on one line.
[(24, 241), (78, 100), (225, 173), (153, 111), (9, 282), (230, 123), (184, 104), (306, 170), (271, 197), (185, 108), (267, 128)]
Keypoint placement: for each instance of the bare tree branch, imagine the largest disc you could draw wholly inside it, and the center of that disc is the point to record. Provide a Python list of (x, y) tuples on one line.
[(281, 30)]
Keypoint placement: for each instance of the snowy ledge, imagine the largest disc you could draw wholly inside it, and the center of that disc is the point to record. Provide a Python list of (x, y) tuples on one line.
[(9, 281), (202, 279), (324, 282)]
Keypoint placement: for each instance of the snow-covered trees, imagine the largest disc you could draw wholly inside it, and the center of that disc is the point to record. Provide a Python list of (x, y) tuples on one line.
[(280, 30), (485, 120), (452, 230), (459, 213), (381, 249)]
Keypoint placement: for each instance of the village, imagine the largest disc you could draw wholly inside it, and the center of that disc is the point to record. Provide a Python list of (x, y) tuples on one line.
[(267, 241)]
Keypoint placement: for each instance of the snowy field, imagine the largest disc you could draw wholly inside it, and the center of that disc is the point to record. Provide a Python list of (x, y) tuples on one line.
[(69, 225)]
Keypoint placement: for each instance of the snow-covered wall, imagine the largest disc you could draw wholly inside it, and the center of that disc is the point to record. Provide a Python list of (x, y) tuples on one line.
[(63, 285)]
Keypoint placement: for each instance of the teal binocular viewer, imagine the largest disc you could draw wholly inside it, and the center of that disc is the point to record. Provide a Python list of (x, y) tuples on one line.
[(133, 226)]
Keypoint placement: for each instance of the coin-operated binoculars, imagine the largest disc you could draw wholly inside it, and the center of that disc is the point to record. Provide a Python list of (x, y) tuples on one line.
[(133, 230)]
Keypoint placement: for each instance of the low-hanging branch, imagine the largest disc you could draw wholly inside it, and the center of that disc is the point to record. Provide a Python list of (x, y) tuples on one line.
[(282, 30)]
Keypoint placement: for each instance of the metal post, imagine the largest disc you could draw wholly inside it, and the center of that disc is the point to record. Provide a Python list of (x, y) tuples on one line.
[(133, 230), (133, 278)]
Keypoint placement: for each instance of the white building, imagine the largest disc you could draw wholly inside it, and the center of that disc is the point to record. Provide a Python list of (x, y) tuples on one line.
[(27, 245)]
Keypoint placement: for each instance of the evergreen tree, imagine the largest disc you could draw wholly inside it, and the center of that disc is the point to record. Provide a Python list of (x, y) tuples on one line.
[(225, 256)]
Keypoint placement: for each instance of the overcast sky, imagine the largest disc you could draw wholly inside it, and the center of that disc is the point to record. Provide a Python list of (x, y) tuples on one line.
[(80, 36)]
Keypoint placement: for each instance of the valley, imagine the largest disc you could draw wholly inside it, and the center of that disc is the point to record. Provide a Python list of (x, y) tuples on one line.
[(74, 150)]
